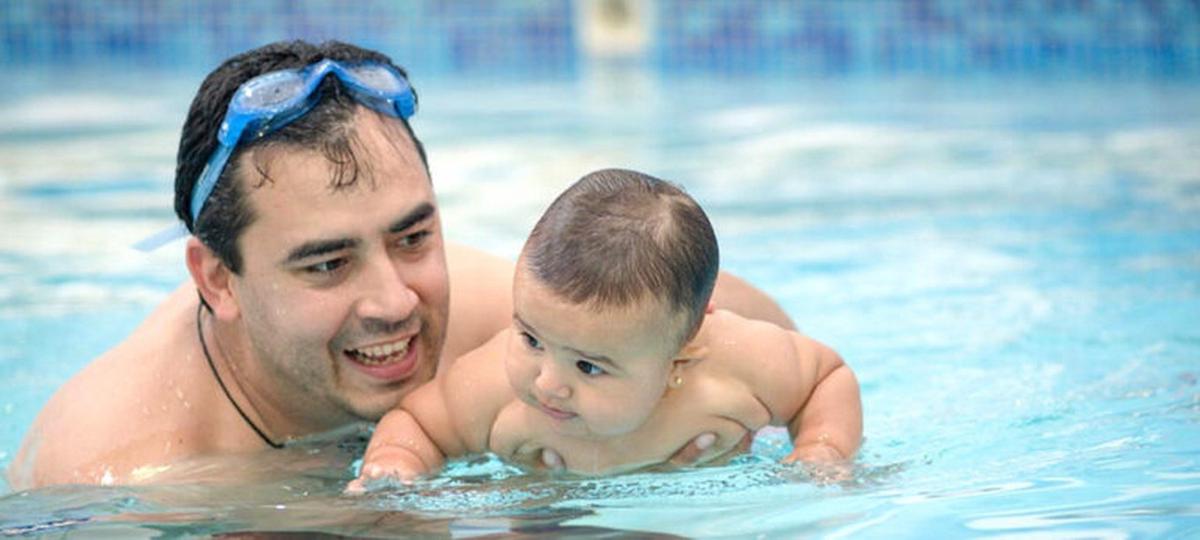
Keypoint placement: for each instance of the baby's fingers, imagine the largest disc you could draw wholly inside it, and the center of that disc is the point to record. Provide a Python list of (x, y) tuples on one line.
[(374, 477), (358, 486)]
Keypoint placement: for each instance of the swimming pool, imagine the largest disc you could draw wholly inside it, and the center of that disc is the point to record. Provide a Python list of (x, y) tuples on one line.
[(1012, 269)]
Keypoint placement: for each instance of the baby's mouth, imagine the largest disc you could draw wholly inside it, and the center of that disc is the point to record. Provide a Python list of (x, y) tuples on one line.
[(557, 414)]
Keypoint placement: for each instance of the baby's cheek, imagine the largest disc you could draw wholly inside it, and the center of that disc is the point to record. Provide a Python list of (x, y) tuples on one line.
[(516, 377)]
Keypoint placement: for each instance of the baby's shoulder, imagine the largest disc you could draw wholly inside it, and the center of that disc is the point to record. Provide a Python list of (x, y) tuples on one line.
[(743, 362), (711, 392)]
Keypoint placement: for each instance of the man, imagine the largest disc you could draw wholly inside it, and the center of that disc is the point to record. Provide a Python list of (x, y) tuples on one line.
[(320, 279)]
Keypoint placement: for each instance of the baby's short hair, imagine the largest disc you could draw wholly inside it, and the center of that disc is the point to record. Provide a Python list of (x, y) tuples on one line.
[(617, 236)]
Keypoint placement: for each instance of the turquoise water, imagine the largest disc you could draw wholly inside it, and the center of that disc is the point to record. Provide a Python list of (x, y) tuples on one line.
[(1012, 269)]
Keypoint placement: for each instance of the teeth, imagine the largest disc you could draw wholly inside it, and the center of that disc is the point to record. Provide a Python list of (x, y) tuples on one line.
[(377, 354)]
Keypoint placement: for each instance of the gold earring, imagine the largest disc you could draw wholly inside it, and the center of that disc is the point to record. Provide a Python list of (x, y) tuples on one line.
[(677, 381)]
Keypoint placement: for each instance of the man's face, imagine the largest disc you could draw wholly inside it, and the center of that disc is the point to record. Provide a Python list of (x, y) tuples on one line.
[(344, 293)]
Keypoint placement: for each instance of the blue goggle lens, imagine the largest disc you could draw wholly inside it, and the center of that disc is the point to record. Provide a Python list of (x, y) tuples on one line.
[(377, 78), (268, 92)]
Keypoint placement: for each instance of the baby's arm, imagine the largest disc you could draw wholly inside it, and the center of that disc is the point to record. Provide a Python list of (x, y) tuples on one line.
[(828, 426), (804, 384), (400, 449), (449, 416)]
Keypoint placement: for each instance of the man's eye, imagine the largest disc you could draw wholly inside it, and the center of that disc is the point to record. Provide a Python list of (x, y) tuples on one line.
[(588, 368), (325, 267), (413, 240), (531, 341)]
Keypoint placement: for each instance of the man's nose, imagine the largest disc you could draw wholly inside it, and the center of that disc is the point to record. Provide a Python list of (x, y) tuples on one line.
[(386, 295)]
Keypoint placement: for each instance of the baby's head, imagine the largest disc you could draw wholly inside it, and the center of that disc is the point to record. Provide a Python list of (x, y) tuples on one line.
[(613, 281)]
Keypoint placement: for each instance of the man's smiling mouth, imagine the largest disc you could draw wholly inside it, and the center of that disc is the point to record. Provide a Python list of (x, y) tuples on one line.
[(381, 354), (389, 362)]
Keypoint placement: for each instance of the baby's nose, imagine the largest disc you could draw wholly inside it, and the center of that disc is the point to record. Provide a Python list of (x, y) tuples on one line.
[(551, 385)]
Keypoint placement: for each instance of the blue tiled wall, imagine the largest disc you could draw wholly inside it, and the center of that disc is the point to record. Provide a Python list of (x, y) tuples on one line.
[(1130, 38), (1104, 38), (429, 36)]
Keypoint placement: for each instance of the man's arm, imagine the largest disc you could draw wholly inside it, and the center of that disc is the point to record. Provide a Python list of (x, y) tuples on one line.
[(735, 294), (169, 408)]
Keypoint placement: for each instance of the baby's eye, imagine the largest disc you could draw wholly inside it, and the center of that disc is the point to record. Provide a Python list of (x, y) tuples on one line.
[(588, 368), (531, 341)]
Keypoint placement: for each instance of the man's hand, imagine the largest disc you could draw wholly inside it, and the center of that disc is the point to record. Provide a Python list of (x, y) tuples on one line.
[(702, 451)]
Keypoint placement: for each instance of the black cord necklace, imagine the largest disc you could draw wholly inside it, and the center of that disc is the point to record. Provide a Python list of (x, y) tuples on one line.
[(204, 347)]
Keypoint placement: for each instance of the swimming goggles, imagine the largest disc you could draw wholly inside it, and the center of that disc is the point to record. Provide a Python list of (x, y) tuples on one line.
[(272, 100)]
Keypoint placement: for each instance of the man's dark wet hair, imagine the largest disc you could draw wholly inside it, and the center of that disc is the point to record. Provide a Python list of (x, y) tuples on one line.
[(616, 237), (325, 128)]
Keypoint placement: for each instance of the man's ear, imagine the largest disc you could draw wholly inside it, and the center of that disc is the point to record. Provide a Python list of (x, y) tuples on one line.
[(213, 279)]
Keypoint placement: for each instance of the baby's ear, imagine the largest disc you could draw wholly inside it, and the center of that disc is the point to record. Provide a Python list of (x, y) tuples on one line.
[(679, 365), (708, 310), (678, 372)]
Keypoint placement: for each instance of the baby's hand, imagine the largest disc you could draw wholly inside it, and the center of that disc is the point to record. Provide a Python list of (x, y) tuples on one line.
[(384, 464), (824, 464), (815, 452)]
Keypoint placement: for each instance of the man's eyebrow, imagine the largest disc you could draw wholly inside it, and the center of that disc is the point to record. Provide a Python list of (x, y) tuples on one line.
[(421, 213), (317, 248), (598, 358)]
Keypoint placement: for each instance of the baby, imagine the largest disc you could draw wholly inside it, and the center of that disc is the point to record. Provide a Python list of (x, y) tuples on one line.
[(615, 359)]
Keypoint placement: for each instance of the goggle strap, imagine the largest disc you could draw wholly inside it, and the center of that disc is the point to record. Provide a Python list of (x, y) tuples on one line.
[(162, 237), (208, 178)]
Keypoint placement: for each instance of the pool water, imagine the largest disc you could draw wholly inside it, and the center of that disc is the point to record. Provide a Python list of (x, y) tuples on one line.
[(1011, 268)]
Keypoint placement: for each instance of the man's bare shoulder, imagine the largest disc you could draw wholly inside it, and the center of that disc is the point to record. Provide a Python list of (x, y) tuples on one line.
[(134, 405), (480, 298)]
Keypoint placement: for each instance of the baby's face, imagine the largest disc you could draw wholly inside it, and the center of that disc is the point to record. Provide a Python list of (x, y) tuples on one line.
[(591, 373)]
